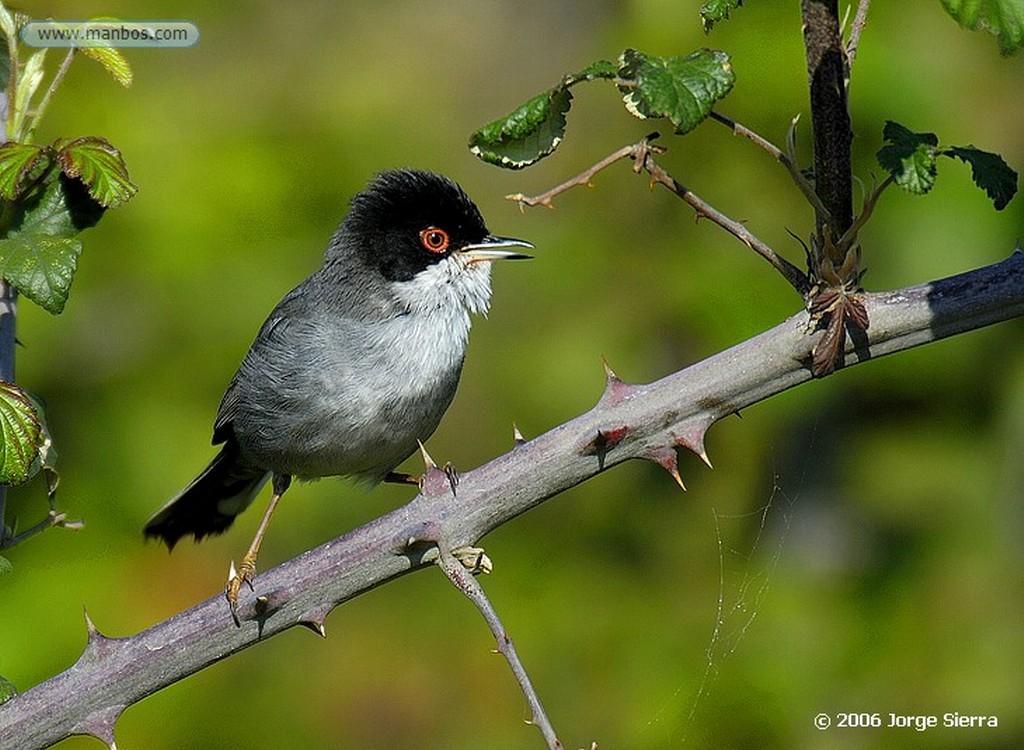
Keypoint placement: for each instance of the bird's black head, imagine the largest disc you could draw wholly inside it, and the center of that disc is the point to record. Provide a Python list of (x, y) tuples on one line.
[(407, 220)]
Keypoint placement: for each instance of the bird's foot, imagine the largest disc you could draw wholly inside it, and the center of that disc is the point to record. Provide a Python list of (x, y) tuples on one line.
[(246, 573)]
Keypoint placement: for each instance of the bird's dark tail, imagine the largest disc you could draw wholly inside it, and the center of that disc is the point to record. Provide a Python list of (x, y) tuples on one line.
[(210, 502)]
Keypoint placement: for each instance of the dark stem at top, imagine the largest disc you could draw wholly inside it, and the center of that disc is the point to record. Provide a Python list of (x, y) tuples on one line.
[(830, 117)]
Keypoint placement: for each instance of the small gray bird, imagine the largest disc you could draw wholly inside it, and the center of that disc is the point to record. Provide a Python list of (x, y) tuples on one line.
[(354, 365)]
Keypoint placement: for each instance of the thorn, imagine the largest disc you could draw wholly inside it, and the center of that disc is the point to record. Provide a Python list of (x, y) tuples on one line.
[(517, 436), (605, 440), (609, 373), (97, 644), (101, 725), (90, 626), (232, 573), (428, 462), (615, 389), (692, 438), (435, 481), (667, 459), (315, 622)]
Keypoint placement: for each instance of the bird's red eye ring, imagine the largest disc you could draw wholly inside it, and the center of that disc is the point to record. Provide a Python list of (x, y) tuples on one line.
[(435, 240)]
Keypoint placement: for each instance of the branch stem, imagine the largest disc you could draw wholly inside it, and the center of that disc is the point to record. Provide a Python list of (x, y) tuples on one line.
[(467, 583), (830, 117), (8, 319), (776, 153), (44, 103), (114, 673), (642, 153), (859, 22)]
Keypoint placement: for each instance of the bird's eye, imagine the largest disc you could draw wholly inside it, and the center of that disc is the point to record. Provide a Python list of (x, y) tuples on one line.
[(435, 240)]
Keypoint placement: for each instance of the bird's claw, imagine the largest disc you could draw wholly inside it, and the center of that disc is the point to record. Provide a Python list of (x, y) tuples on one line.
[(245, 574)]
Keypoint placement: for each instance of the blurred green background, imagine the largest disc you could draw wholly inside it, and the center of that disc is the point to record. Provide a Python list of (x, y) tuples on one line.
[(858, 546)]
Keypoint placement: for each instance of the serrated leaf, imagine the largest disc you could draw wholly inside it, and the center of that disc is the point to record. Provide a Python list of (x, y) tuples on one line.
[(100, 166), (1003, 18), (909, 157), (111, 59), (28, 82), (682, 89), (714, 11), (5, 691), (599, 69), (989, 172), (528, 134), (16, 161), (41, 267), (63, 208), (20, 433)]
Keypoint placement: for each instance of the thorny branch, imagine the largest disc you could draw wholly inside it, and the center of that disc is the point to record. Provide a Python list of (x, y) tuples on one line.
[(630, 421)]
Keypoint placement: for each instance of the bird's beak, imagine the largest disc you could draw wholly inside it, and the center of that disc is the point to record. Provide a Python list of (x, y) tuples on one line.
[(494, 248)]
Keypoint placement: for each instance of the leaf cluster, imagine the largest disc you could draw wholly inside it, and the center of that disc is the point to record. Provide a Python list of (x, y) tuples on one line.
[(680, 89), (912, 161), (48, 195)]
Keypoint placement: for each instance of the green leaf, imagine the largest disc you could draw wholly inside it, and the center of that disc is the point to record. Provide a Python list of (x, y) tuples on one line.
[(1003, 18), (62, 208), (528, 134), (40, 254), (5, 567), (16, 161), (100, 166), (599, 69), (41, 267), (111, 59), (682, 89), (21, 430), (989, 172), (714, 11), (909, 157)]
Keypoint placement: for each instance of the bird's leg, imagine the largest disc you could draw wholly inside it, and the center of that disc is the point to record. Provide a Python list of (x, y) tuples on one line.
[(246, 572), (398, 477)]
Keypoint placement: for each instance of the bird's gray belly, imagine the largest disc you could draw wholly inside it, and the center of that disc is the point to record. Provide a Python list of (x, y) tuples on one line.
[(358, 415)]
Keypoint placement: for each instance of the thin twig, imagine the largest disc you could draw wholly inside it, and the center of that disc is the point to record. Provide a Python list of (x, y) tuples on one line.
[(13, 76), (466, 582), (642, 153), (58, 78), (796, 278), (54, 518), (865, 213), (779, 155), (583, 178), (859, 22)]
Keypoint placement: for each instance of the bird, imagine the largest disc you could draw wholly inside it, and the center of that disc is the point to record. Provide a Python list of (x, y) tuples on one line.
[(356, 365)]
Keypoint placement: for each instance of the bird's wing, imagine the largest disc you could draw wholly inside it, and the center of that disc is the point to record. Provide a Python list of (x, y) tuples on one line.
[(222, 426)]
